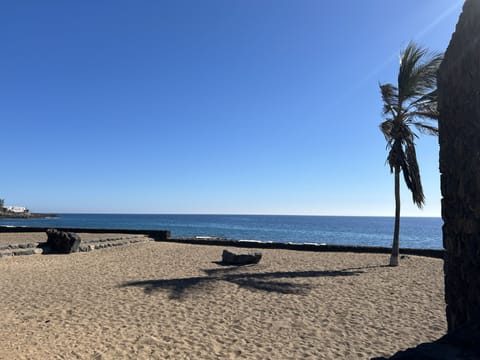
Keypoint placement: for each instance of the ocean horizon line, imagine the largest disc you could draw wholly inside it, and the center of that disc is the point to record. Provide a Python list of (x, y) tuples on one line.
[(232, 214)]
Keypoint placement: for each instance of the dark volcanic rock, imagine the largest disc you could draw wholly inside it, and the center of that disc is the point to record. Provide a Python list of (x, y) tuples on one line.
[(62, 242), (459, 138), (27, 215), (461, 344), (230, 258)]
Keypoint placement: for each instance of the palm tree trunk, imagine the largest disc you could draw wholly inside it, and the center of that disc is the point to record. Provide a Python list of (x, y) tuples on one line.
[(396, 231)]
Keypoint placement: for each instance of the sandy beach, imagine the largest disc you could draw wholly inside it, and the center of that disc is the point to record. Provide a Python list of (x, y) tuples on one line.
[(172, 301)]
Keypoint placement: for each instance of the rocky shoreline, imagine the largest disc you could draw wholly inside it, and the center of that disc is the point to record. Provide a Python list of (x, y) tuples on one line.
[(11, 215)]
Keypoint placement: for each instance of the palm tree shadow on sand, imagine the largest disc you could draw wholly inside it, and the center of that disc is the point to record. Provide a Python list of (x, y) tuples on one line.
[(277, 282)]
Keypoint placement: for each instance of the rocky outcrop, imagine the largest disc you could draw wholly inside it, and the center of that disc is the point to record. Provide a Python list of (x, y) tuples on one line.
[(26, 215), (231, 258), (62, 242), (459, 137)]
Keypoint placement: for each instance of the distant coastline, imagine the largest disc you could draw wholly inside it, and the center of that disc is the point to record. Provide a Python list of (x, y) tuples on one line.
[(28, 215)]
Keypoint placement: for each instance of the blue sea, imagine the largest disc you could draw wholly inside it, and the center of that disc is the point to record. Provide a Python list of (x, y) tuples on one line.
[(340, 230)]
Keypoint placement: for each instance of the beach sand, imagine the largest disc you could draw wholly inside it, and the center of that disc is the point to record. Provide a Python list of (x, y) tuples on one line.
[(171, 301)]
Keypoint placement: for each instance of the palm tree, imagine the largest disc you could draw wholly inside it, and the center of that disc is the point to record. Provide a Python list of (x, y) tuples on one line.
[(412, 104)]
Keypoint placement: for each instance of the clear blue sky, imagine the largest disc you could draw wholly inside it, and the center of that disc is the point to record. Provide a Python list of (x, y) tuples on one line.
[(251, 106)]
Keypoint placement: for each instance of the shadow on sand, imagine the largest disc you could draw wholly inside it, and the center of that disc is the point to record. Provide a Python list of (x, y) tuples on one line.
[(267, 281)]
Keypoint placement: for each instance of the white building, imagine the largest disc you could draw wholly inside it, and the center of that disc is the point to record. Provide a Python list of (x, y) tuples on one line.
[(17, 209)]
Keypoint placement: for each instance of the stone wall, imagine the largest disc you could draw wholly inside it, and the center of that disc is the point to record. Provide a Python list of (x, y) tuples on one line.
[(459, 126), (158, 235)]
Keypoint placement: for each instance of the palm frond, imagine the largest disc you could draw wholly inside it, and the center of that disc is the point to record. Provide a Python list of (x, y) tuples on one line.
[(429, 97), (386, 129), (426, 129), (411, 174), (409, 60), (423, 78), (430, 114), (402, 131), (425, 106), (390, 98), (418, 71), (396, 156)]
